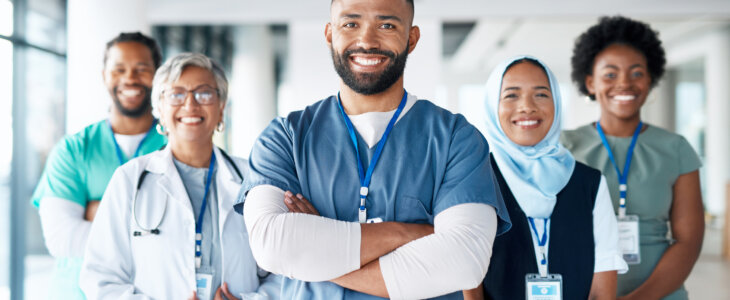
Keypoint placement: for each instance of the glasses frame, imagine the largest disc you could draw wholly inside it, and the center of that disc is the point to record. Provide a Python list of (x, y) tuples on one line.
[(196, 95)]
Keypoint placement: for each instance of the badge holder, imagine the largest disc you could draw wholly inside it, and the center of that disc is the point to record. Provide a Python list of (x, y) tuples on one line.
[(203, 286), (549, 287), (628, 235)]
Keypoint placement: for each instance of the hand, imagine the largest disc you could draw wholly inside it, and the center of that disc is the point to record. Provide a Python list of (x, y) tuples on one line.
[(91, 208), (299, 204), (222, 293), (194, 296)]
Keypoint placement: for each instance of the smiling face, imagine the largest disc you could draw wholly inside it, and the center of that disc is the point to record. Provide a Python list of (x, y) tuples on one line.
[(620, 81), (370, 41), (128, 74), (190, 121), (526, 109)]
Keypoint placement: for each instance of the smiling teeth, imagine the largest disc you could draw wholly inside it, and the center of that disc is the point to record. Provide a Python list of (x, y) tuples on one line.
[(624, 97), (190, 120), (526, 123), (131, 93), (366, 62)]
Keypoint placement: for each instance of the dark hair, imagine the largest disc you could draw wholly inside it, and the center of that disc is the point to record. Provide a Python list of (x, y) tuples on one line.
[(139, 38), (616, 30)]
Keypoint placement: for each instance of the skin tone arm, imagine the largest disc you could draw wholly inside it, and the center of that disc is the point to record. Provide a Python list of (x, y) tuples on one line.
[(91, 208), (377, 239), (603, 286), (474, 294), (688, 227)]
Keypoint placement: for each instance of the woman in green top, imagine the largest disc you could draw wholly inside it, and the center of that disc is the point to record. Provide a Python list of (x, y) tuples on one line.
[(617, 62)]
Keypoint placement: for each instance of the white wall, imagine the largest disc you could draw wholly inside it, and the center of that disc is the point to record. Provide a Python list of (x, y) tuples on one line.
[(91, 24)]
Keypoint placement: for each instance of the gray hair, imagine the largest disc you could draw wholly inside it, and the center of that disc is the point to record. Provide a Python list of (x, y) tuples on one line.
[(172, 69)]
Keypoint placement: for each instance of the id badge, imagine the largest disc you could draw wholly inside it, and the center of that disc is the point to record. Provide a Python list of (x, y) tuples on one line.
[(628, 237), (544, 288), (203, 284)]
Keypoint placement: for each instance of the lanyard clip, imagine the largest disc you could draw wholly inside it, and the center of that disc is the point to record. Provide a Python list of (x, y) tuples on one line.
[(362, 214)]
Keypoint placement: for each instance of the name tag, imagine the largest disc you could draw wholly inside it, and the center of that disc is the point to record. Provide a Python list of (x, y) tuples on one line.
[(544, 288), (628, 237), (203, 286)]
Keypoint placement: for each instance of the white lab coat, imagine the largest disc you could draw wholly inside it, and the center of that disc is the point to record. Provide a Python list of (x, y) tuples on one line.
[(120, 265)]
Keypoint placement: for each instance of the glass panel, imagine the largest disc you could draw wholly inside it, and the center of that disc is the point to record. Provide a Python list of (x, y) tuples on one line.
[(6, 152), (6, 18), (46, 24), (45, 92)]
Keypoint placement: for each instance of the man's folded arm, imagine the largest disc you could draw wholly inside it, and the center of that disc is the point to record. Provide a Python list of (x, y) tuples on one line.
[(455, 258), (314, 248)]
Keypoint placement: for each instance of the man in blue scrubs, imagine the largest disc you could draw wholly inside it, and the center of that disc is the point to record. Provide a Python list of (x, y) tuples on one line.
[(379, 166)]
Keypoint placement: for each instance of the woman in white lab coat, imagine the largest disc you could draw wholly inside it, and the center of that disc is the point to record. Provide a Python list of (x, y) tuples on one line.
[(166, 228)]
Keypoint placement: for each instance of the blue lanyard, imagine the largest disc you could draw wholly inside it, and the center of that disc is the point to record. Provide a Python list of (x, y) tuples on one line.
[(199, 223), (139, 147), (541, 242), (622, 176), (366, 176)]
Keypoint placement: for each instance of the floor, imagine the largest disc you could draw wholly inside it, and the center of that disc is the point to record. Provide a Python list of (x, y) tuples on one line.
[(710, 278)]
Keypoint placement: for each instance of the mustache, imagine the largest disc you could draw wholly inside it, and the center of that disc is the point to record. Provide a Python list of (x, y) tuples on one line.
[(143, 87), (387, 53)]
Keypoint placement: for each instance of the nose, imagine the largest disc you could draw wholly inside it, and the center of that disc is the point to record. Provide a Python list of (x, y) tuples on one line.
[(130, 76), (368, 38), (190, 102), (526, 105)]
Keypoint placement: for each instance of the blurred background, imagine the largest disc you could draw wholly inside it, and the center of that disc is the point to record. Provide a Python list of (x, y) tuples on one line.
[(277, 61)]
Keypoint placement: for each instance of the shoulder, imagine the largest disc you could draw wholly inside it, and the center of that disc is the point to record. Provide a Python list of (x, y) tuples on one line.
[(73, 145), (574, 138), (661, 135), (584, 172)]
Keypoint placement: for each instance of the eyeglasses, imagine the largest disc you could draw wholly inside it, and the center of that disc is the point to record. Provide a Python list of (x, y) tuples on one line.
[(204, 95)]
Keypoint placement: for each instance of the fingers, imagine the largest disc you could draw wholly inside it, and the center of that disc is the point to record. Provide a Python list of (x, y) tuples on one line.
[(227, 293), (218, 295), (299, 204)]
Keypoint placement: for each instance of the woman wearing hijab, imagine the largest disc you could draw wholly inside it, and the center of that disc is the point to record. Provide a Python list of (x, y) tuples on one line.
[(564, 238), (652, 173)]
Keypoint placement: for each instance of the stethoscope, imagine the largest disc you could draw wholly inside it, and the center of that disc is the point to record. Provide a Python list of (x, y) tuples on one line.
[(155, 230)]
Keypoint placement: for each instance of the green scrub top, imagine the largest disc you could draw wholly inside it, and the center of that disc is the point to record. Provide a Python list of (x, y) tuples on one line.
[(78, 169), (660, 157)]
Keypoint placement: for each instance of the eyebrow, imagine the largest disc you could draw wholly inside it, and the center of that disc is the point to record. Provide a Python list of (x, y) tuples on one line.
[(539, 87), (379, 17), (615, 67)]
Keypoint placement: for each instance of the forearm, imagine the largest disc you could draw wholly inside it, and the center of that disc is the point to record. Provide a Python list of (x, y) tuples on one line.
[(603, 286), (456, 257), (368, 280), (64, 229), (671, 271)]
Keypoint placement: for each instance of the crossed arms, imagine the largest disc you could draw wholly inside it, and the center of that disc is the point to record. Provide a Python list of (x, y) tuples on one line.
[(388, 259)]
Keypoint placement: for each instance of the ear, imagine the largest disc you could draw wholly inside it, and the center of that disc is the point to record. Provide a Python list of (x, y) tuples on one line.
[(589, 85), (328, 34), (413, 37)]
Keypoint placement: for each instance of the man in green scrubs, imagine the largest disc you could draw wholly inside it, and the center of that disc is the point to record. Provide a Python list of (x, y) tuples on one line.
[(80, 166)]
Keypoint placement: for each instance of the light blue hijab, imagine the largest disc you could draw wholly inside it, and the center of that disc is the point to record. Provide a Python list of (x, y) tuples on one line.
[(534, 174)]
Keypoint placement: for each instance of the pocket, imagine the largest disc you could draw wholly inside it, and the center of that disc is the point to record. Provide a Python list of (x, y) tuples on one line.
[(412, 210)]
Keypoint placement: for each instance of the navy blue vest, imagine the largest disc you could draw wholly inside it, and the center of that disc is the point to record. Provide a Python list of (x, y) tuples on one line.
[(572, 246)]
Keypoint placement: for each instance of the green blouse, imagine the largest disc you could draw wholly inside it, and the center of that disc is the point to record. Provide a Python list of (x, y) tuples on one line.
[(659, 158)]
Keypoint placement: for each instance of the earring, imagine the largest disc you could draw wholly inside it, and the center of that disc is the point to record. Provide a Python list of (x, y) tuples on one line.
[(160, 129), (221, 126)]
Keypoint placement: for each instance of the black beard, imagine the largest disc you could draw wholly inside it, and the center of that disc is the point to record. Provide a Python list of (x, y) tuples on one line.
[(370, 83), (137, 111)]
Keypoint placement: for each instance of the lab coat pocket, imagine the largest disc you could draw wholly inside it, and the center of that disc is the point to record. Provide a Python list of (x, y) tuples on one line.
[(412, 210)]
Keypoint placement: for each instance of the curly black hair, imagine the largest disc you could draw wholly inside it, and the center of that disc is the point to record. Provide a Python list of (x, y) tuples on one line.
[(616, 30), (138, 37)]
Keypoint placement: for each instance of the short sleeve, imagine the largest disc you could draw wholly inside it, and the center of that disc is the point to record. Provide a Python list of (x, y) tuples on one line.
[(61, 178), (469, 177), (688, 159), (271, 162)]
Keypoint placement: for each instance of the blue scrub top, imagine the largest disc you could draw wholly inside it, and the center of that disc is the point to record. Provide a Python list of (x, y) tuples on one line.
[(432, 160)]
